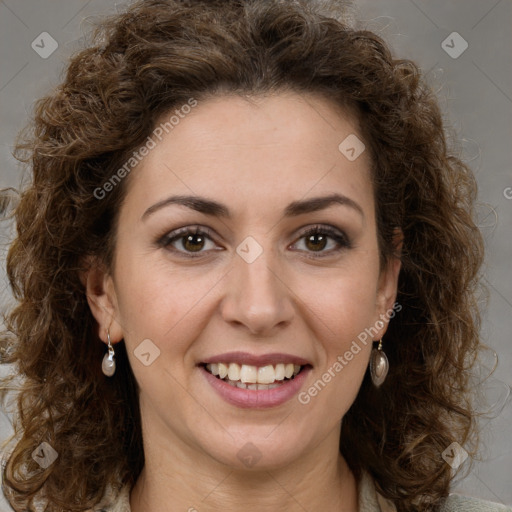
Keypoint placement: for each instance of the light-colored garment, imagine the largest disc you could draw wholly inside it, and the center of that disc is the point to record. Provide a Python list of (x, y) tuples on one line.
[(369, 501)]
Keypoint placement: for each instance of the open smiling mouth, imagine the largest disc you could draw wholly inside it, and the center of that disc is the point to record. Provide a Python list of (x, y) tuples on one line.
[(254, 377)]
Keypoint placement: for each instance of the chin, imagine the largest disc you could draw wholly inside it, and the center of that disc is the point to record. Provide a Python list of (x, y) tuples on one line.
[(257, 449)]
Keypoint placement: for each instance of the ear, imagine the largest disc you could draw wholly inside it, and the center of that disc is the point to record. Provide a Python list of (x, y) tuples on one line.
[(388, 285), (102, 299)]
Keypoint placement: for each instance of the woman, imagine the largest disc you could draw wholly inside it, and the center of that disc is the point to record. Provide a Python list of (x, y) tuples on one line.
[(245, 273)]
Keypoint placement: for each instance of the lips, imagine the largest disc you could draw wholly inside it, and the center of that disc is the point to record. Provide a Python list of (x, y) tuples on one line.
[(256, 381), (257, 360)]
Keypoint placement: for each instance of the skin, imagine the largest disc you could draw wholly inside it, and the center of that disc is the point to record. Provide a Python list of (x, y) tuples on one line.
[(255, 156)]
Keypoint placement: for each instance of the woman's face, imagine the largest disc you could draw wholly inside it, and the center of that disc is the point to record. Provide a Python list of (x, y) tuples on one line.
[(251, 288)]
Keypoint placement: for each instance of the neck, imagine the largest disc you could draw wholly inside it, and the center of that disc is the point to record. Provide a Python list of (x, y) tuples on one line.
[(319, 480)]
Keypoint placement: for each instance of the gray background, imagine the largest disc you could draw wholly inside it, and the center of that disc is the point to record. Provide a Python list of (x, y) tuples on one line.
[(475, 91)]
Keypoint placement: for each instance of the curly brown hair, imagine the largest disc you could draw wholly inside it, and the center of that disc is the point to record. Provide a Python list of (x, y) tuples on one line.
[(141, 64)]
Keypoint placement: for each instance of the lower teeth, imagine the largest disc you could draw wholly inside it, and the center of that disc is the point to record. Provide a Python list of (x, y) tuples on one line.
[(242, 385)]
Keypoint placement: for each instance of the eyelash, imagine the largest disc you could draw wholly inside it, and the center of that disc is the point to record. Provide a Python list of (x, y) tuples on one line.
[(179, 234)]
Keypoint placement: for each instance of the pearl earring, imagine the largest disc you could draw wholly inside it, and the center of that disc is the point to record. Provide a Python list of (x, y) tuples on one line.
[(108, 364), (379, 365)]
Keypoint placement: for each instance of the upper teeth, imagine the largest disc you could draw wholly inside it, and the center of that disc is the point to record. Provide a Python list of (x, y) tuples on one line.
[(253, 374)]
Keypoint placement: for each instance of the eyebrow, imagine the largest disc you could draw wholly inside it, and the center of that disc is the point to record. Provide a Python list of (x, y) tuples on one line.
[(213, 208)]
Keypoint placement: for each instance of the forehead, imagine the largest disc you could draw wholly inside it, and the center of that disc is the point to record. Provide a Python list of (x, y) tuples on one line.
[(260, 150)]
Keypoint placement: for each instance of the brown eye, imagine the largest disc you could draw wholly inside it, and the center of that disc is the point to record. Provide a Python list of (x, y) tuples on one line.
[(324, 240), (193, 243), (316, 242), (188, 241)]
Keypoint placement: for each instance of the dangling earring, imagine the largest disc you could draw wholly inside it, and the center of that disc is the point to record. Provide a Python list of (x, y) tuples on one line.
[(108, 364), (379, 365)]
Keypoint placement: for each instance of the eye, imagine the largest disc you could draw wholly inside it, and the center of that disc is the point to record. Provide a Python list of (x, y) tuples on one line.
[(317, 238), (192, 242), (187, 241)]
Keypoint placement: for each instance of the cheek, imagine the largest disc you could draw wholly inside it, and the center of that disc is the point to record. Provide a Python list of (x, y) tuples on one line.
[(344, 301), (342, 312), (345, 352), (162, 303), (349, 313)]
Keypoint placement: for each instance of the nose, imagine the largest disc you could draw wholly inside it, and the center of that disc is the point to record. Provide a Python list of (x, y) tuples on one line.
[(256, 296)]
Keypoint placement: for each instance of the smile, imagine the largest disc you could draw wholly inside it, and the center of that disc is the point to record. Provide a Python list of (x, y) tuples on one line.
[(255, 381), (253, 377)]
